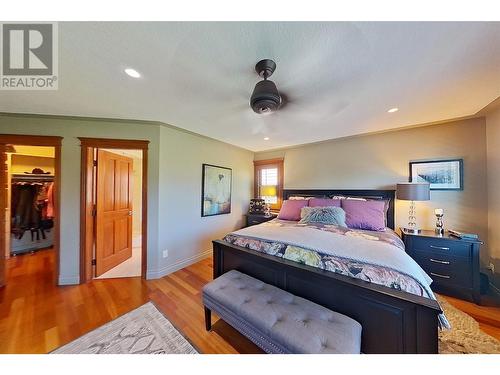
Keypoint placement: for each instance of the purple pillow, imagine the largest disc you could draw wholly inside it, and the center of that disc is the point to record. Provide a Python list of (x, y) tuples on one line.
[(290, 210), (324, 202), (368, 215)]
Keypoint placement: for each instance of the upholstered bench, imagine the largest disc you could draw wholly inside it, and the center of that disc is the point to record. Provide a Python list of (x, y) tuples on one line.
[(277, 321)]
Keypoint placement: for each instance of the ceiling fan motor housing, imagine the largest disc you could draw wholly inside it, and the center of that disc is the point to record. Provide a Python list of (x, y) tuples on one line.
[(265, 97)]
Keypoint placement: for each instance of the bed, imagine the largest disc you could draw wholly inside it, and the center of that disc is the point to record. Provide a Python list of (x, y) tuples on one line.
[(393, 320)]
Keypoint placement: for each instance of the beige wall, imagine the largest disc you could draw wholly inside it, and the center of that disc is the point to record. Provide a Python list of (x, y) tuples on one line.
[(47, 152), (25, 163), (70, 129), (184, 233), (174, 200), (174, 179), (381, 160), (493, 157)]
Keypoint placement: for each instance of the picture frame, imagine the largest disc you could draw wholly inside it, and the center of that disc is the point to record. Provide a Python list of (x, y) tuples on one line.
[(446, 174), (216, 190)]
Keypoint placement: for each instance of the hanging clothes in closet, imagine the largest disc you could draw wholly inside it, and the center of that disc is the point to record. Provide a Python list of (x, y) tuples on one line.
[(32, 212)]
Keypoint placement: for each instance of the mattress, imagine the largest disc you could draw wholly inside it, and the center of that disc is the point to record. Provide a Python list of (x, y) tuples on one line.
[(375, 257)]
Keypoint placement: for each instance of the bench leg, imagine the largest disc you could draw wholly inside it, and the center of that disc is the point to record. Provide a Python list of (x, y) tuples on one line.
[(208, 319)]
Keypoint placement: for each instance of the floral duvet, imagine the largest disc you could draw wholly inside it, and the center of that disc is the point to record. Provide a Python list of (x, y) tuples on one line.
[(376, 257)]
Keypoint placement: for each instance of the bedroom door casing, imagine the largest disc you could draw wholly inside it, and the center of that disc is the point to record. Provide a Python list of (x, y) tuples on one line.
[(113, 210), (3, 209)]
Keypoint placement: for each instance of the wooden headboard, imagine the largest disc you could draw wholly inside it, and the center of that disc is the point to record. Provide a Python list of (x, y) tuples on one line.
[(369, 194)]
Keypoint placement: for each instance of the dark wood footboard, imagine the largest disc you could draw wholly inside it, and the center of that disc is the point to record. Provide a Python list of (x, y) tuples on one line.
[(393, 321)]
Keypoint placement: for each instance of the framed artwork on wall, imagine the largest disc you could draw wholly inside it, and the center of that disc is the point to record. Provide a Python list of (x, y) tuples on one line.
[(216, 190), (440, 174)]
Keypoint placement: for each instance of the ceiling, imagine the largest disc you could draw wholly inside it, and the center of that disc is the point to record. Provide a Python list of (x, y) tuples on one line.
[(340, 77)]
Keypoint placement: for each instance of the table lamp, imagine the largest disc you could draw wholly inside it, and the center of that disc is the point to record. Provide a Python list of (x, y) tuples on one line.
[(267, 191), (413, 191)]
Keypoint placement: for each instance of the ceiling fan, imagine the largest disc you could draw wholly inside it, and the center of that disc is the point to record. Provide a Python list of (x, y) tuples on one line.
[(278, 107), (265, 98)]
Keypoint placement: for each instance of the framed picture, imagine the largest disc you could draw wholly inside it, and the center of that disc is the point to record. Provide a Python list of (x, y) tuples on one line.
[(216, 190), (440, 174)]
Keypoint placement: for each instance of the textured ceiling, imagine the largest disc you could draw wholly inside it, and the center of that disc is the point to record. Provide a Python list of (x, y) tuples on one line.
[(340, 77)]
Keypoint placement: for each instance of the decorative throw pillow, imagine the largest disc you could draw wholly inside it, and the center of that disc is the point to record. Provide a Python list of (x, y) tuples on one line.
[(369, 215), (324, 202), (324, 215), (290, 210)]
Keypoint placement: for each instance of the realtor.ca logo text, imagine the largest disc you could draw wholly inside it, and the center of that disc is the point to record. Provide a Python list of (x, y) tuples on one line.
[(29, 59)]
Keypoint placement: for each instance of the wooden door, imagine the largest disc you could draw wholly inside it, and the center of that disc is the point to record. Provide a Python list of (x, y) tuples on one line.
[(113, 210), (4, 210)]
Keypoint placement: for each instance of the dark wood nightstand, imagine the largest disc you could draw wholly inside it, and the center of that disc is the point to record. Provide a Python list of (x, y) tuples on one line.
[(254, 219), (452, 263)]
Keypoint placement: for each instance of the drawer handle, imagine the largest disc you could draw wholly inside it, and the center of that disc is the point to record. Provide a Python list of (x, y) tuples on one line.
[(441, 276), (439, 247), (439, 261)]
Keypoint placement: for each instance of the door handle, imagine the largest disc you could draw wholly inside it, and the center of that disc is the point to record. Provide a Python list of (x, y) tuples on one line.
[(130, 213)]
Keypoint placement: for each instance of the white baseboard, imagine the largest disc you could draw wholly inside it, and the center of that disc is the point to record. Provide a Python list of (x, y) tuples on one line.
[(156, 274), (150, 274), (69, 280)]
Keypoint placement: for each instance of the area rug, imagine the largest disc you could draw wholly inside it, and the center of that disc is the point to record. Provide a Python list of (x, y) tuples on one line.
[(465, 336), (142, 331)]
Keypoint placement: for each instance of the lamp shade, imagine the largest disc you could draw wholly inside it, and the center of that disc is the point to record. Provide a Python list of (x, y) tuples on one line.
[(413, 191), (268, 191)]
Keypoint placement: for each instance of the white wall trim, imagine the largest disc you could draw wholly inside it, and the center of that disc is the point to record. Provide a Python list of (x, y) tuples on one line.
[(156, 274), (69, 280)]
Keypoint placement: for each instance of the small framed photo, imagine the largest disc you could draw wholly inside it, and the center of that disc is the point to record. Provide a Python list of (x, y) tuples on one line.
[(216, 190), (440, 174)]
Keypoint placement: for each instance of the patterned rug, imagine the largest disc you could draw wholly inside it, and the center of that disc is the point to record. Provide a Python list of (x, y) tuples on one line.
[(465, 336), (142, 331), (146, 331)]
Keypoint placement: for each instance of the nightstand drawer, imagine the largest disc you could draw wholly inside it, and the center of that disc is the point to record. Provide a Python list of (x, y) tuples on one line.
[(255, 221), (441, 246), (452, 263), (442, 270)]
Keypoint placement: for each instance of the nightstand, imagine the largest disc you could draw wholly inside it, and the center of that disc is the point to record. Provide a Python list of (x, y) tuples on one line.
[(452, 263), (254, 219)]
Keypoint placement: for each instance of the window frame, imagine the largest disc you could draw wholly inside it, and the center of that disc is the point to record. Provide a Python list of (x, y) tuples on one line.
[(269, 163)]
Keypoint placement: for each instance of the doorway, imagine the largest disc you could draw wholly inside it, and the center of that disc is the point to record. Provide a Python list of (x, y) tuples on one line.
[(29, 199), (113, 208)]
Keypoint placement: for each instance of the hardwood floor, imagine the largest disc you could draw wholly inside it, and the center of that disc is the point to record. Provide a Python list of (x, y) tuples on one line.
[(487, 315), (37, 317)]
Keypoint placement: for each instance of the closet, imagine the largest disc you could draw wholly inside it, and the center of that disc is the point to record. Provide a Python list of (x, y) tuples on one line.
[(31, 172)]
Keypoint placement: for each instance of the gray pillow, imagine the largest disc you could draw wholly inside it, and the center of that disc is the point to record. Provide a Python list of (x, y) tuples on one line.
[(323, 215)]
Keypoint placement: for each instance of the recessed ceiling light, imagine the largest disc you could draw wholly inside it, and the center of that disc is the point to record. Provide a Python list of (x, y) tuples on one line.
[(266, 138), (392, 110), (132, 73)]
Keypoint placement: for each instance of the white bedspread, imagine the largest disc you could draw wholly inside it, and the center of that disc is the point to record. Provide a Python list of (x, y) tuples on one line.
[(351, 247)]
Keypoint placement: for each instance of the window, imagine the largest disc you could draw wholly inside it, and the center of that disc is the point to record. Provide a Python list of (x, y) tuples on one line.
[(269, 181)]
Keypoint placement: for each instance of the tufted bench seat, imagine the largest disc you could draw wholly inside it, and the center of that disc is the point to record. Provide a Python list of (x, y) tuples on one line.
[(278, 321)]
